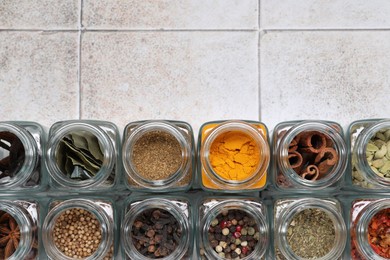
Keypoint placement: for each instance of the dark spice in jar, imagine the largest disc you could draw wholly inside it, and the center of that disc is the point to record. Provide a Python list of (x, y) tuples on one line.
[(157, 155), (156, 233), (9, 235), (12, 155), (77, 233), (311, 233), (312, 155), (379, 233), (233, 234)]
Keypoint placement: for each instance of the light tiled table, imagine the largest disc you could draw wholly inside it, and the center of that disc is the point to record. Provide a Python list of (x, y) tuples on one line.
[(129, 60)]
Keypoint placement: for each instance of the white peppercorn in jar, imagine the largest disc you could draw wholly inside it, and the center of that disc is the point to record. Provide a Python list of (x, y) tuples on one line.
[(308, 228), (308, 155), (370, 152), (158, 156), (232, 228), (157, 228), (21, 156), (79, 229), (19, 229), (82, 155)]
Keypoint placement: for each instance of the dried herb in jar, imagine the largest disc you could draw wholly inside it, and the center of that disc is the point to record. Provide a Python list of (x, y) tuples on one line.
[(233, 234), (156, 233), (77, 233), (311, 233), (311, 155), (79, 155), (157, 155), (379, 233), (9, 235), (12, 155)]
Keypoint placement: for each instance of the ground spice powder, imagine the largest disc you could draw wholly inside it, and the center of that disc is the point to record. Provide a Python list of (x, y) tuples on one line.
[(234, 155), (157, 155)]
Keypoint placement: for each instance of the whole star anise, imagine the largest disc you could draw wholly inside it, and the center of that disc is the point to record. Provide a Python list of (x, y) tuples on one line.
[(9, 235)]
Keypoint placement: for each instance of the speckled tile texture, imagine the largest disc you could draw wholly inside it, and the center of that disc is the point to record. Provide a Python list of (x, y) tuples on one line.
[(195, 77), (339, 76), (319, 14), (39, 14), (38, 76), (171, 14)]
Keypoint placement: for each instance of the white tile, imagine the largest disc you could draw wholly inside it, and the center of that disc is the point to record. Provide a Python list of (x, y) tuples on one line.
[(39, 14), (190, 76), (319, 14), (38, 76), (170, 14), (340, 76)]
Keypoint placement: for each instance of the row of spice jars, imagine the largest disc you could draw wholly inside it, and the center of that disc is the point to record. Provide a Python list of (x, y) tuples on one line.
[(160, 156), (143, 227)]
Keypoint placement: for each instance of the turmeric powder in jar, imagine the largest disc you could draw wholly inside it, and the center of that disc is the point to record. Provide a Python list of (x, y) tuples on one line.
[(234, 156)]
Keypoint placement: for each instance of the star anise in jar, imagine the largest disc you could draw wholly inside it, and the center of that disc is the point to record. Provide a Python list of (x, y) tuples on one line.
[(9, 235)]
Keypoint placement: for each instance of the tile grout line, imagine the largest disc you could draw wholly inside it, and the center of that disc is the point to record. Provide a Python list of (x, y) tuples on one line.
[(79, 58), (259, 73)]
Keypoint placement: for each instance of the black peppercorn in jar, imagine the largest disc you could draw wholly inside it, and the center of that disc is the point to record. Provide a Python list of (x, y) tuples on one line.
[(232, 228), (18, 229), (158, 156), (370, 152), (79, 229), (82, 155), (308, 155), (308, 229), (157, 228), (20, 156)]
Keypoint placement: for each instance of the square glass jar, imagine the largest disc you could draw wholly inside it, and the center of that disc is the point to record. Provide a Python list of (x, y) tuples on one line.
[(21, 159), (370, 155), (288, 219), (19, 221), (237, 226), (308, 155), (166, 223), (88, 222), (158, 156), (233, 156), (82, 156)]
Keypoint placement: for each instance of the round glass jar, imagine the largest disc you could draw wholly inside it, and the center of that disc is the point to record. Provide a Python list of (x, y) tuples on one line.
[(370, 152), (173, 218), (100, 210), (248, 147), (158, 156), (20, 155), (82, 155), (366, 222), (230, 217), (286, 217), (18, 219), (308, 155)]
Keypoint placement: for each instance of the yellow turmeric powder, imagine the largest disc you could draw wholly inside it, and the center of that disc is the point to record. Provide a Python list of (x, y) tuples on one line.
[(234, 155)]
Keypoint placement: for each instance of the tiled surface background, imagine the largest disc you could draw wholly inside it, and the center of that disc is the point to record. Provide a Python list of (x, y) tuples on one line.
[(194, 60)]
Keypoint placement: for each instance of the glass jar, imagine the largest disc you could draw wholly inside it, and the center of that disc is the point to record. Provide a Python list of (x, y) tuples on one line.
[(221, 226), (370, 152), (239, 165), (158, 156), (82, 155), (308, 155), (321, 216), (150, 219), (19, 218), (365, 222), (20, 156), (76, 216)]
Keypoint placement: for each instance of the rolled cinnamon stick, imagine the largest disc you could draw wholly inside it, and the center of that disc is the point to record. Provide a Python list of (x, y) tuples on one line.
[(295, 159), (326, 159), (311, 172), (312, 141)]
